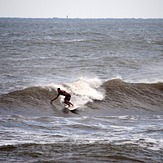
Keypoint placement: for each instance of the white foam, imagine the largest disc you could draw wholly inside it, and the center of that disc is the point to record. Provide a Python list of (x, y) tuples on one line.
[(83, 90)]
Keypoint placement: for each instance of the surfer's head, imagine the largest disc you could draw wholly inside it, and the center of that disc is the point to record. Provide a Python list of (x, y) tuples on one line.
[(58, 89)]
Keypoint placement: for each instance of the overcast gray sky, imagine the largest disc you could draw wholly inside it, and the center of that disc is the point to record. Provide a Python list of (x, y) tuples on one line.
[(82, 8)]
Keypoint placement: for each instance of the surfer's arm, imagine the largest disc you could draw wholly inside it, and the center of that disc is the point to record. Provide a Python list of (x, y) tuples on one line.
[(55, 98)]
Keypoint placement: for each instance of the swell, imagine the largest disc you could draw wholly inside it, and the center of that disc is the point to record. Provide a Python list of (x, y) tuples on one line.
[(119, 95), (134, 95), (32, 100), (74, 152)]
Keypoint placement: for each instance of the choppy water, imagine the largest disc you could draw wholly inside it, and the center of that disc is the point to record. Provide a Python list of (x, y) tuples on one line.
[(113, 70)]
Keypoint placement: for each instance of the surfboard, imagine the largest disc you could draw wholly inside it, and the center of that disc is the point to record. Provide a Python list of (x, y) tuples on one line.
[(71, 107)]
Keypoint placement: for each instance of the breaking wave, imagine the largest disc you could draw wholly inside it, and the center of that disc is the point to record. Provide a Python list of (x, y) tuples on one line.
[(91, 95)]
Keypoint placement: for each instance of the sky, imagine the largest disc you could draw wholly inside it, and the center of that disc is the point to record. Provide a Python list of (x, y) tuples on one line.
[(82, 8)]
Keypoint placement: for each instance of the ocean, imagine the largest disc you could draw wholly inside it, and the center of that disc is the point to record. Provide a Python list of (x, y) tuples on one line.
[(113, 69)]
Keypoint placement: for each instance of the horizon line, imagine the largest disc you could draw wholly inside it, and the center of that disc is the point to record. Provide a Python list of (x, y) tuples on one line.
[(72, 18)]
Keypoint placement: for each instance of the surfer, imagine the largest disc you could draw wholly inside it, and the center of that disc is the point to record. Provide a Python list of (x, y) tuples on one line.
[(67, 97)]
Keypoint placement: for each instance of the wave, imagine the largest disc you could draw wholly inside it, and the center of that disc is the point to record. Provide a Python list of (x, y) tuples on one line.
[(134, 95), (91, 95), (60, 152)]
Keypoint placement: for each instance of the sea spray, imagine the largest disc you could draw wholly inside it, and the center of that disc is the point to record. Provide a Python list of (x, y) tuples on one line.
[(83, 90)]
